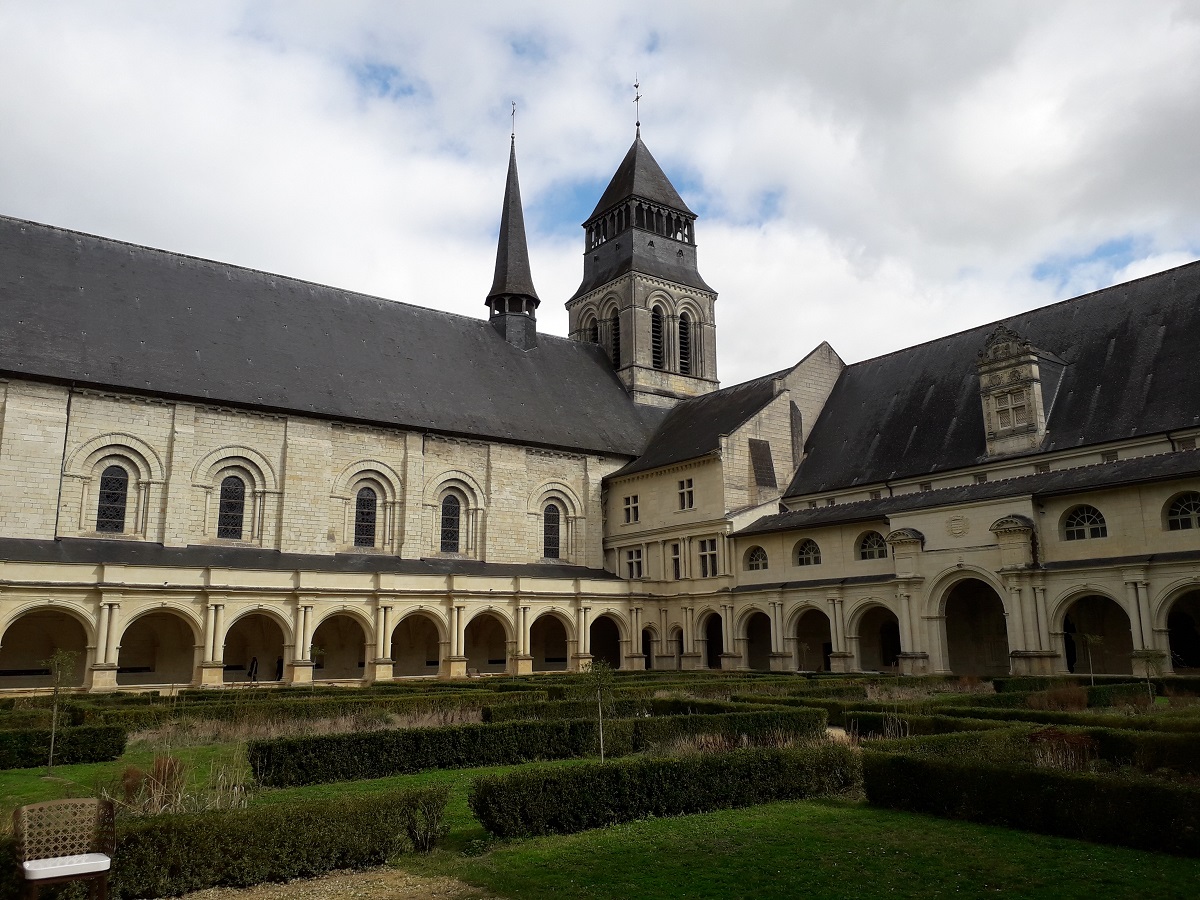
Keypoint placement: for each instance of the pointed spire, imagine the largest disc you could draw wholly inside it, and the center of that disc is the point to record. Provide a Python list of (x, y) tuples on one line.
[(513, 278), (640, 175)]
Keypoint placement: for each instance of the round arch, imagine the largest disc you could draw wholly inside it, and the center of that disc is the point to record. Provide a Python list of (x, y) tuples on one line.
[(84, 459), (651, 644), (757, 635), (487, 636), (159, 645), (710, 637), (876, 627), (1181, 617), (33, 634), (554, 490), (343, 638), (77, 612), (1097, 633), (976, 628), (254, 645), (550, 635), (373, 470), (812, 630), (236, 456), (606, 634), (415, 644)]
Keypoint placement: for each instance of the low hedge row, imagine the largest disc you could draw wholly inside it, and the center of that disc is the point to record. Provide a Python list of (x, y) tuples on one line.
[(285, 762), (621, 708), (566, 800), (893, 724), (169, 855), (1133, 812), (28, 748), (1174, 724)]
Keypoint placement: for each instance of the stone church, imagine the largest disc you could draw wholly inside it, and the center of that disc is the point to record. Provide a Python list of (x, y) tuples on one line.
[(212, 475)]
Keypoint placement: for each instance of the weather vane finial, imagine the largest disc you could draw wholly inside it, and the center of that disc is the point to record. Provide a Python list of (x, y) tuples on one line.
[(514, 118), (637, 101)]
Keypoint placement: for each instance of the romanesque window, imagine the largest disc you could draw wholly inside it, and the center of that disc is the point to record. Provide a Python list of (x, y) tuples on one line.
[(687, 495), (685, 344), (631, 509), (808, 553), (551, 531), (591, 330), (657, 347), (451, 523), (614, 327), (756, 559), (1084, 522), (872, 546), (366, 506), (1012, 409), (1184, 512), (114, 492), (633, 563), (708, 558), (231, 509)]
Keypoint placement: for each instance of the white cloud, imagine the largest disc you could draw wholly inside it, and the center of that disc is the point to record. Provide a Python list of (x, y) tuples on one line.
[(874, 174)]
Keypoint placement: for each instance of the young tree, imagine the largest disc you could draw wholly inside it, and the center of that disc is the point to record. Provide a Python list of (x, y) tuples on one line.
[(62, 666), (1090, 641), (597, 686)]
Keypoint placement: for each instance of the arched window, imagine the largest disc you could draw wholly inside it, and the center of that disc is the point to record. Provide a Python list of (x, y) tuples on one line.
[(872, 546), (614, 327), (756, 559), (110, 510), (1184, 512), (551, 531), (808, 553), (232, 508), (366, 505), (658, 356), (685, 344), (1084, 522), (451, 523), (591, 330)]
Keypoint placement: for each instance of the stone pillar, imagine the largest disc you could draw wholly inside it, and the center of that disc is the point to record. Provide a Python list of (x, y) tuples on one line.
[(635, 659), (212, 670), (458, 646), (523, 660), (842, 658), (380, 668), (781, 659), (103, 674), (730, 657), (692, 658)]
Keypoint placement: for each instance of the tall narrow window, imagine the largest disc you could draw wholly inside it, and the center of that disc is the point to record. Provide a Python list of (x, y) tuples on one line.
[(451, 523), (708, 558), (676, 562), (631, 510), (687, 495), (614, 327), (110, 510), (232, 508), (551, 531), (592, 330), (633, 563), (685, 344), (366, 504), (657, 354)]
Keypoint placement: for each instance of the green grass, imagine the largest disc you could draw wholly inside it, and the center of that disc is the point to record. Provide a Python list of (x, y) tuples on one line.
[(811, 849)]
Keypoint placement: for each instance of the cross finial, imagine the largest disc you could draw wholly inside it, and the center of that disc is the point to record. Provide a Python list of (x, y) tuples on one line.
[(637, 101), (514, 118)]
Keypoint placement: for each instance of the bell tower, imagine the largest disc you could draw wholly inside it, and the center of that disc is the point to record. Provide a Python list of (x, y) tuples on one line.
[(642, 297)]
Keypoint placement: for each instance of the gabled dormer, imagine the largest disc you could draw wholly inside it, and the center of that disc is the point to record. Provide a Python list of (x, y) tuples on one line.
[(1012, 373)]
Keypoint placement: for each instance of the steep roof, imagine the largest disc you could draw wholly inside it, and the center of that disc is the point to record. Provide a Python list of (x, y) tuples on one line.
[(693, 428), (1130, 354), (91, 311), (1163, 466), (639, 175), (513, 275)]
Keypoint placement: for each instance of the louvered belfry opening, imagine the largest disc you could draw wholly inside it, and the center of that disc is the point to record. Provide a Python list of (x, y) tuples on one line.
[(657, 344), (685, 344)]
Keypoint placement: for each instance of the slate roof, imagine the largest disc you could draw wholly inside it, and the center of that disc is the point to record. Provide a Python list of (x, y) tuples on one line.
[(513, 275), (90, 311), (640, 175), (1131, 370), (693, 428), (141, 553), (1181, 464)]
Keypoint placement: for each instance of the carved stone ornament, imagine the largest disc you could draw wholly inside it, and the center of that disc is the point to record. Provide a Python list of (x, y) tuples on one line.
[(957, 526), (1002, 342), (905, 536), (1011, 524)]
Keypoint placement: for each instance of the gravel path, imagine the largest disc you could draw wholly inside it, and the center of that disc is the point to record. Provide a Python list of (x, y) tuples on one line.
[(375, 884)]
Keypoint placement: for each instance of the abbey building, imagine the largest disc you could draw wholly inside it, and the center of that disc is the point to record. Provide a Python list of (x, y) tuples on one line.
[(210, 474)]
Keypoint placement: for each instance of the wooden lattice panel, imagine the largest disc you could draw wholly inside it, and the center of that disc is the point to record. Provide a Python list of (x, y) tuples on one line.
[(63, 828)]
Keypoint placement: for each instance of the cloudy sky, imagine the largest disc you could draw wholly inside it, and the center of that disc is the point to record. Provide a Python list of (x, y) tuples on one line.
[(869, 173)]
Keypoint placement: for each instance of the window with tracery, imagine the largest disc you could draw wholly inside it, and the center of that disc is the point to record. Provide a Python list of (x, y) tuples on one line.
[(231, 510), (756, 559), (1083, 523), (366, 508), (551, 531), (872, 546), (808, 553), (110, 507), (451, 523), (1184, 512)]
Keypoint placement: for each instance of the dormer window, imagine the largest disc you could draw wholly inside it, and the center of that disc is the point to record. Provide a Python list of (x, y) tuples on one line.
[(1012, 409)]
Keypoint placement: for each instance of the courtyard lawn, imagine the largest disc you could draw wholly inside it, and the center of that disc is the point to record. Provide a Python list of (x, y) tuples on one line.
[(836, 849)]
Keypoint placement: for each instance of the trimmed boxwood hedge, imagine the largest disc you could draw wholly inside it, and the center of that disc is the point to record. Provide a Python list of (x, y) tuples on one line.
[(1151, 722), (164, 856), (867, 723), (285, 762), (563, 801), (27, 748), (1142, 813), (622, 708)]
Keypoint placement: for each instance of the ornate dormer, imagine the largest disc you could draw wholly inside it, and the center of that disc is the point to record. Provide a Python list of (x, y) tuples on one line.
[(1010, 389), (642, 297), (513, 302)]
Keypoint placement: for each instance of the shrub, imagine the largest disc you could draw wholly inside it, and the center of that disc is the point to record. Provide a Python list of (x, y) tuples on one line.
[(345, 757), (30, 747), (548, 801), (1127, 811), (1135, 694), (876, 723)]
